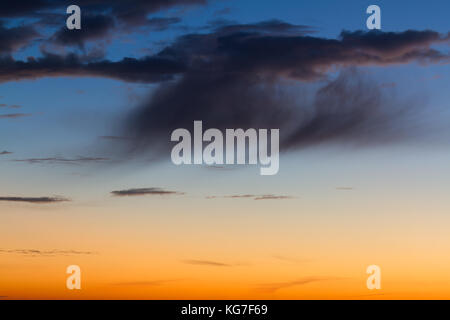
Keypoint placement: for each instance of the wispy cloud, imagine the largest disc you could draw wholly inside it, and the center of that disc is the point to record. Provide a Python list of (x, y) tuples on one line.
[(14, 115), (371, 295), (60, 160), (207, 263), (144, 192), (273, 287), (153, 283), (238, 196), (272, 197), (46, 253), (254, 197), (37, 200), (114, 138), (13, 106), (288, 259), (3, 153)]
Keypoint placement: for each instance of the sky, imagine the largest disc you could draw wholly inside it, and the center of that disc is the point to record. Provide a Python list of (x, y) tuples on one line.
[(87, 179)]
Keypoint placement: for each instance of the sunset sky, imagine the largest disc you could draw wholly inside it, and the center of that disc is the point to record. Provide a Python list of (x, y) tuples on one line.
[(87, 179)]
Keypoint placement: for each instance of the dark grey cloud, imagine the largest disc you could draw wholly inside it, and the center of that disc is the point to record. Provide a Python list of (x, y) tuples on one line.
[(147, 69), (100, 20), (207, 263), (23, 7), (270, 27), (94, 27), (267, 50), (144, 192), (3, 153), (129, 11), (161, 24), (12, 39), (223, 11), (135, 12), (36, 200), (60, 160), (48, 253)]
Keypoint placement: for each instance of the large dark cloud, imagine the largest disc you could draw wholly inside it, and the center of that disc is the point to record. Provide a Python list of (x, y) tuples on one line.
[(251, 76), (269, 49)]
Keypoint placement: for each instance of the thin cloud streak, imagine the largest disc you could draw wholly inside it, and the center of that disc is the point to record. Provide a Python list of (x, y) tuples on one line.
[(14, 115), (63, 160), (207, 263), (114, 138), (12, 106), (273, 287), (254, 197), (153, 283), (272, 197), (289, 259), (144, 192), (37, 200), (46, 253)]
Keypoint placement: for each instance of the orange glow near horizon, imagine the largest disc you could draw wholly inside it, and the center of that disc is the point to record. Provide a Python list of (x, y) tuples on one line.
[(186, 256)]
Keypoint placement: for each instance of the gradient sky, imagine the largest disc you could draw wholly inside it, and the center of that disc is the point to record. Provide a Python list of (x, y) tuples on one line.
[(343, 204)]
